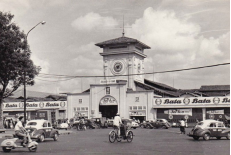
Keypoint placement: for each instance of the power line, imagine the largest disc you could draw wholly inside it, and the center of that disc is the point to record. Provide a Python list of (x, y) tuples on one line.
[(169, 71)]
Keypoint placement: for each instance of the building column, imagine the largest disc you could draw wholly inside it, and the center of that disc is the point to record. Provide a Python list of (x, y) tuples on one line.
[(203, 114)]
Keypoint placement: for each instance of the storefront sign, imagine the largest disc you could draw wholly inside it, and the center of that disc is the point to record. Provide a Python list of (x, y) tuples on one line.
[(35, 105), (180, 112), (198, 101), (215, 112), (108, 100), (108, 81), (137, 113)]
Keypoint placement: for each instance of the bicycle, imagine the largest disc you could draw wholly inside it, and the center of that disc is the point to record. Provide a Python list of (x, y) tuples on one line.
[(113, 136)]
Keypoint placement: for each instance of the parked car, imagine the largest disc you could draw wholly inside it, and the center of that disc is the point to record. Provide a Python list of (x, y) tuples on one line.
[(159, 123), (134, 125), (41, 129), (61, 124), (210, 128)]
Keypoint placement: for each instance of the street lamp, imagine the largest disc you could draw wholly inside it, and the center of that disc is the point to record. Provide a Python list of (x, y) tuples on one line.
[(42, 22)]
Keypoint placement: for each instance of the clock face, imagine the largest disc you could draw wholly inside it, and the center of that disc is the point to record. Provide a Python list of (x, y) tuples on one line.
[(118, 66)]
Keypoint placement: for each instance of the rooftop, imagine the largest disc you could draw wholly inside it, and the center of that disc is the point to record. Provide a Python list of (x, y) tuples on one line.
[(121, 40)]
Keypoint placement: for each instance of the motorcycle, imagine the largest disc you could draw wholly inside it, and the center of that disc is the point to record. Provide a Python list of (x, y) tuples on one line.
[(17, 142)]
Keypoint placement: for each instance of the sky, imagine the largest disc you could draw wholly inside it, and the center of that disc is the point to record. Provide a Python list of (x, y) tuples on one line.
[(181, 33)]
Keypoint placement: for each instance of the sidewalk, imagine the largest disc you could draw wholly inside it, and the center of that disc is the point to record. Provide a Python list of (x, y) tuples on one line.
[(10, 132)]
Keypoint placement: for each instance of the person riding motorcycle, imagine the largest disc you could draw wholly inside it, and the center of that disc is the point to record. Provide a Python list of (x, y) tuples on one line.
[(19, 130), (116, 123)]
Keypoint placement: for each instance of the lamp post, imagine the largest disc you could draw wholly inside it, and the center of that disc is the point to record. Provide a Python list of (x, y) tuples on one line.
[(42, 22)]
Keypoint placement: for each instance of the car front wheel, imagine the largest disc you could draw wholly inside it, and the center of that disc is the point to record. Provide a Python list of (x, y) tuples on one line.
[(41, 138), (56, 136), (206, 136)]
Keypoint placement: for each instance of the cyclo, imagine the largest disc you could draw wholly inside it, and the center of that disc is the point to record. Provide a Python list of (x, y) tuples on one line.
[(125, 134)]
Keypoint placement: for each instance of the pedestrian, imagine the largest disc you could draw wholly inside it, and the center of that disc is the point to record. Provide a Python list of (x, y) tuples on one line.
[(182, 126)]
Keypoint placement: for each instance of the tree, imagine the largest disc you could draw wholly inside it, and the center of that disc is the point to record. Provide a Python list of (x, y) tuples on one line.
[(15, 62)]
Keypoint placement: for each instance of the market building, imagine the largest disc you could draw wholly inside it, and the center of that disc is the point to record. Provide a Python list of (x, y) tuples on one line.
[(125, 90)]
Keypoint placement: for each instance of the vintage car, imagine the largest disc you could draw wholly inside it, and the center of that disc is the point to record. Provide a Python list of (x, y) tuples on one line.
[(134, 125), (159, 123), (41, 129), (210, 128), (61, 124)]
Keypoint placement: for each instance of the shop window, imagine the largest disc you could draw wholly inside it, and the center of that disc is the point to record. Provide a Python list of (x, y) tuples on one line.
[(139, 107), (78, 108), (134, 107), (137, 99), (80, 101)]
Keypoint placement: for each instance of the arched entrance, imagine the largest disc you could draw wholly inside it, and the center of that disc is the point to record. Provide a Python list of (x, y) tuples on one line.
[(108, 106)]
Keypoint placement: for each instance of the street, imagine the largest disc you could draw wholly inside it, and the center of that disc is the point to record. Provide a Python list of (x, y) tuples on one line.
[(146, 141)]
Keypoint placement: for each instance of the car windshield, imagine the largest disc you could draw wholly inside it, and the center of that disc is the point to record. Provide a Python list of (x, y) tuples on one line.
[(32, 123)]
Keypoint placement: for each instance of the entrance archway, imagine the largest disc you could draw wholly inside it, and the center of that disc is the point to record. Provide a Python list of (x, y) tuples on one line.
[(108, 106), (108, 111)]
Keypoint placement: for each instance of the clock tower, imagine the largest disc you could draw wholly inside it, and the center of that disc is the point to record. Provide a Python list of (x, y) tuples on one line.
[(123, 59)]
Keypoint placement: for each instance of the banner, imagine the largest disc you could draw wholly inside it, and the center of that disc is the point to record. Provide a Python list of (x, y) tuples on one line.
[(179, 112), (34, 105), (215, 112), (191, 101)]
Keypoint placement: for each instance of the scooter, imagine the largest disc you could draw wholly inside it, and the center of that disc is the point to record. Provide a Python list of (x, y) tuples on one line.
[(17, 142)]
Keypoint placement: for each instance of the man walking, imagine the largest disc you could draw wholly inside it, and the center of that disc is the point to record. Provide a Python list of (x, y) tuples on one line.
[(182, 126)]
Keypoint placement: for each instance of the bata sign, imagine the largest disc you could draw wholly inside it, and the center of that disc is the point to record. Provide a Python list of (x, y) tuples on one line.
[(35, 105), (192, 101)]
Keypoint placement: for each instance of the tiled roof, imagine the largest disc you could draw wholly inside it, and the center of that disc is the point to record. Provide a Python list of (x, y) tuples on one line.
[(159, 84), (149, 87), (215, 87), (121, 40)]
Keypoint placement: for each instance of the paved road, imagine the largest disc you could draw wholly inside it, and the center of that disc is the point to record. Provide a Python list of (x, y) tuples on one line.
[(145, 142)]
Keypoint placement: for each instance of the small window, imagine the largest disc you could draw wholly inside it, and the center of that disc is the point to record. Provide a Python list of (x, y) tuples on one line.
[(134, 107), (74, 109), (212, 125), (137, 99), (78, 108), (86, 108), (80, 101), (144, 107), (107, 90), (44, 124), (49, 124), (32, 123), (139, 107), (130, 107)]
